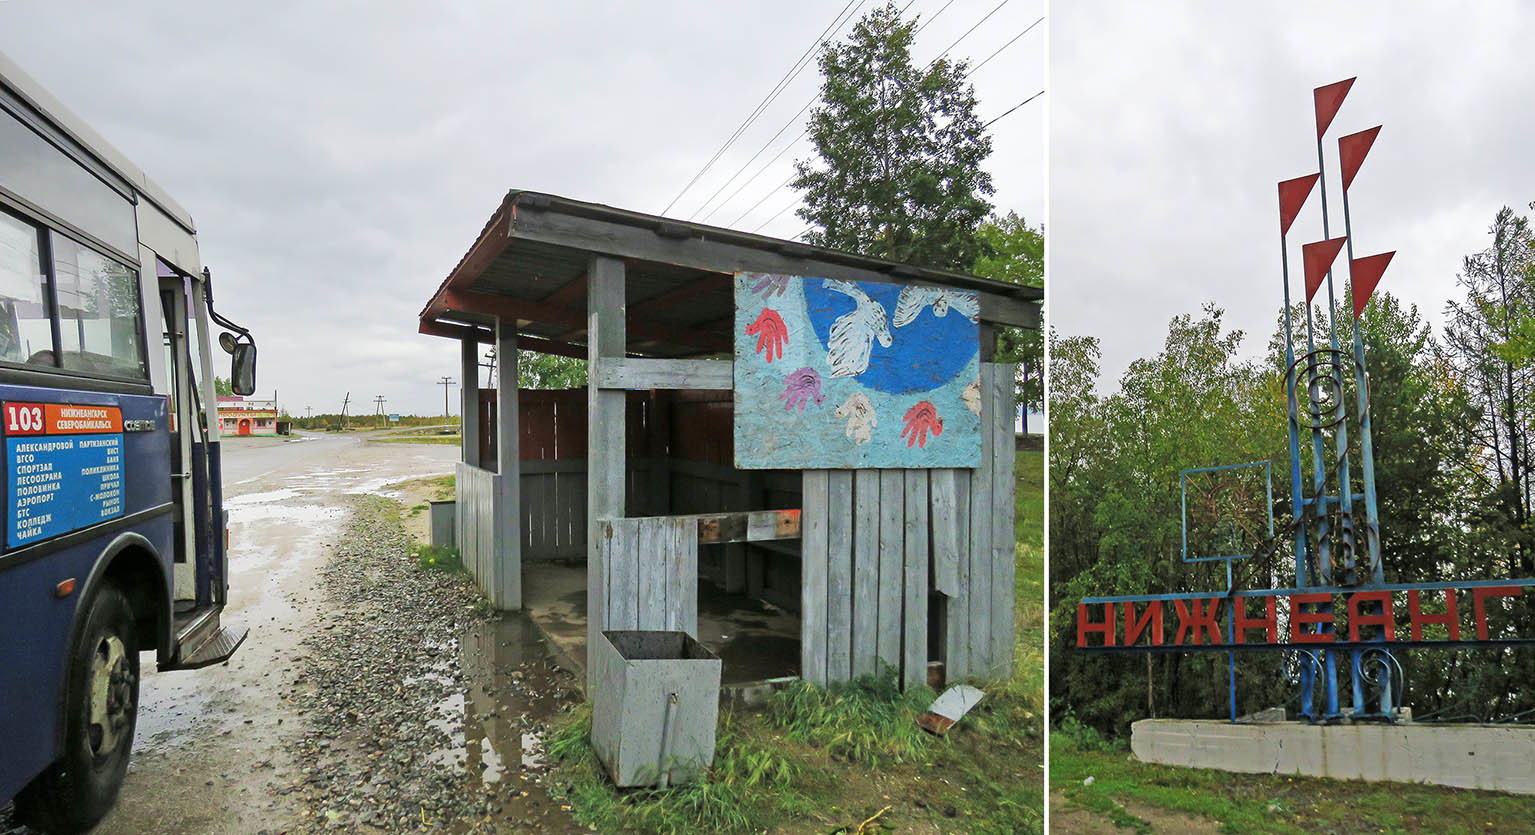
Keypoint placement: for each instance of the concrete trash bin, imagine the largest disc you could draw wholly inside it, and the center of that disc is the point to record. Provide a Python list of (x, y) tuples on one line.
[(442, 518), (654, 706)]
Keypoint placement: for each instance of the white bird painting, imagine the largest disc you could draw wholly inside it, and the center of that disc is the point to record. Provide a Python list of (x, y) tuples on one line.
[(914, 299), (853, 333)]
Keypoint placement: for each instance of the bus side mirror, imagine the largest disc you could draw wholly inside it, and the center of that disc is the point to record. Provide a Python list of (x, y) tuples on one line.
[(242, 373)]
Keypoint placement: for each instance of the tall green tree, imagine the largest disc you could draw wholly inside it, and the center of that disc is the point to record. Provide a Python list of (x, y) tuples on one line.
[(548, 371), (1014, 251), (899, 149), (1499, 294), (1115, 512)]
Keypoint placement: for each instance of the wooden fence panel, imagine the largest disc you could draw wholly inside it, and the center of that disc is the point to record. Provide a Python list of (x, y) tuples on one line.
[(914, 612), (866, 495), (839, 575), (892, 533), (813, 564)]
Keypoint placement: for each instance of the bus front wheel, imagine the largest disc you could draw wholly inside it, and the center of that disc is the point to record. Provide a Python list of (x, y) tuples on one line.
[(100, 708)]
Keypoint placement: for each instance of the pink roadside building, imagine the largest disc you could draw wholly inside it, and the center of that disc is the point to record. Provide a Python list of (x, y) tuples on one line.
[(240, 416)]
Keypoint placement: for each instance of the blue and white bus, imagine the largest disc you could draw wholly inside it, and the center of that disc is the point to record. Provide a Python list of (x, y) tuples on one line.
[(114, 533)]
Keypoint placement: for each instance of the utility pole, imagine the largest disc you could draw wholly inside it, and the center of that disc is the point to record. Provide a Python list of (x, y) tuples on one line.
[(344, 403), (378, 403), (445, 382)]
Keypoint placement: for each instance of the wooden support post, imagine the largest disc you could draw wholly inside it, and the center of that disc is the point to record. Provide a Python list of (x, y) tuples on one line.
[(605, 441), (980, 551), (1004, 556), (469, 399), (659, 411), (508, 547), (734, 576)]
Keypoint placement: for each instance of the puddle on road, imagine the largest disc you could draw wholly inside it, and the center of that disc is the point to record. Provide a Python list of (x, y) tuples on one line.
[(496, 725), (265, 497)]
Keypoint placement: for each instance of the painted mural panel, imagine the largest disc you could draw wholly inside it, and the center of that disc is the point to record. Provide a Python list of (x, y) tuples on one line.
[(834, 374)]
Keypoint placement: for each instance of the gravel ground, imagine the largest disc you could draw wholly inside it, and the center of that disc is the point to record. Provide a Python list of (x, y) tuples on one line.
[(383, 698), (417, 710)]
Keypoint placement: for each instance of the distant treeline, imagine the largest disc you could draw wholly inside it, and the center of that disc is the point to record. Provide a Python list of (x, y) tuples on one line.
[(334, 420)]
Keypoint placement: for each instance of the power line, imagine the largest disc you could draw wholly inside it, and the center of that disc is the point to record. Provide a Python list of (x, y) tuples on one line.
[(968, 31), (931, 19), (765, 165), (977, 67), (788, 76), (806, 131), (1011, 109), (760, 171), (774, 137), (763, 200), (811, 227), (839, 24), (807, 105)]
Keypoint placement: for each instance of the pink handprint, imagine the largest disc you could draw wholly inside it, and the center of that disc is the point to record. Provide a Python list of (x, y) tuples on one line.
[(772, 334), (770, 285), (920, 420), (799, 387)]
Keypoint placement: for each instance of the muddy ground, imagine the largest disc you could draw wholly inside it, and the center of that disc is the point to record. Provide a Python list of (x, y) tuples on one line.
[(371, 695)]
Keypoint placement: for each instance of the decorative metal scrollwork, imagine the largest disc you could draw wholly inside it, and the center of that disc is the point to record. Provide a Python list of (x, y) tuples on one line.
[(1317, 379), (1381, 673)]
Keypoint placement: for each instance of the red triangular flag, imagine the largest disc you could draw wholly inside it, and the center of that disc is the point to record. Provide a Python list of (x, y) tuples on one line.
[(1328, 99), (1352, 150), (1319, 257), (1364, 273), (1292, 196)]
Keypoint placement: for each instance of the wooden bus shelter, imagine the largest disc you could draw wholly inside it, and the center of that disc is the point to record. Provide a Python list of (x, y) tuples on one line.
[(634, 475)]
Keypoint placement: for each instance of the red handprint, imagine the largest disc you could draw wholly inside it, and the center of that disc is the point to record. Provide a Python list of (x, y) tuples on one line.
[(920, 420), (772, 334)]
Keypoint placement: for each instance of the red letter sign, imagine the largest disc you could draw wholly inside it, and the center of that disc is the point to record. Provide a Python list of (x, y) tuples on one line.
[(1299, 618), (1086, 627)]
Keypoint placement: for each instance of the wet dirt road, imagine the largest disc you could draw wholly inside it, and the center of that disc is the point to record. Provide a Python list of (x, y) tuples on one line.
[(209, 753)]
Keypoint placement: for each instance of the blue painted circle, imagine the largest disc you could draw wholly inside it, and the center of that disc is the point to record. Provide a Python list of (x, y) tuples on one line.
[(925, 354)]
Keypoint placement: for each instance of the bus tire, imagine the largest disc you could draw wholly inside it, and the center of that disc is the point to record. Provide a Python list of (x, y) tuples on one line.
[(101, 699)]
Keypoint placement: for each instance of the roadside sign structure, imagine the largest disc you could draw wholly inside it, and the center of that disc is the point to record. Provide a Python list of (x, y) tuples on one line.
[(1341, 610)]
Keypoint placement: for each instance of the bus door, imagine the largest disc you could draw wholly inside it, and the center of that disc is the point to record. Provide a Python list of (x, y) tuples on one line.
[(200, 575)]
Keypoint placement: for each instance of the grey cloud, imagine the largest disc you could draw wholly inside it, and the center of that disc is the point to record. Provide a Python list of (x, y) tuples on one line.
[(340, 156)]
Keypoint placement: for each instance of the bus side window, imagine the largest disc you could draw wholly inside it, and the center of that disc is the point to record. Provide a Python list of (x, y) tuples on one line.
[(26, 333), (98, 312)]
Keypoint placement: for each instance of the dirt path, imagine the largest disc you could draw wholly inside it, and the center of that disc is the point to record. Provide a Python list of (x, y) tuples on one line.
[(210, 753), (1066, 816)]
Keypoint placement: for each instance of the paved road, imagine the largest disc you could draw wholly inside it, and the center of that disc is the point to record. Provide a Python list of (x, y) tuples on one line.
[(208, 754)]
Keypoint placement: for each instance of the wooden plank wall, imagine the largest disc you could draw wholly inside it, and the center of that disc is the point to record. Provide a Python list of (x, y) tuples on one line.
[(679, 462), (651, 566), (881, 547), (484, 544)]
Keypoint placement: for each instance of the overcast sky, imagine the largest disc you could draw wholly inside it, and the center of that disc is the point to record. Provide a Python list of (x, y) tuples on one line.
[(1172, 122), (340, 157)]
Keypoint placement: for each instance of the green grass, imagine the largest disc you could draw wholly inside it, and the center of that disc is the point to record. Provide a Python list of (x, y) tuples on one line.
[(1264, 803), (754, 785), (417, 439), (445, 559)]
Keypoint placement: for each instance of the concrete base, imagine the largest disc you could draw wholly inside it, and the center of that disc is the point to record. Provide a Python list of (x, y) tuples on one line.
[(1462, 756)]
